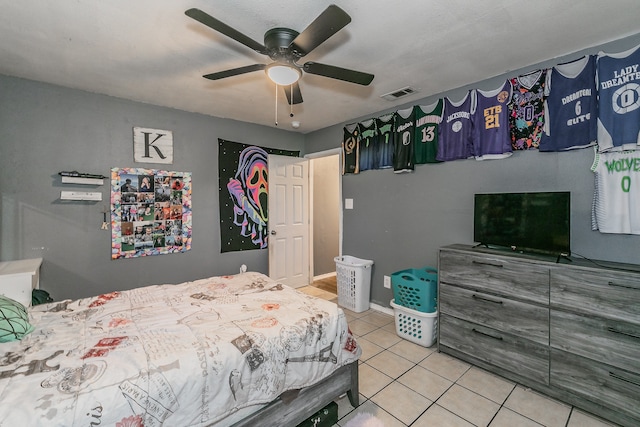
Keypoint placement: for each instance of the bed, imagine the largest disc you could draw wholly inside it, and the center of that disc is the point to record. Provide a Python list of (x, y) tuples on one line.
[(238, 350)]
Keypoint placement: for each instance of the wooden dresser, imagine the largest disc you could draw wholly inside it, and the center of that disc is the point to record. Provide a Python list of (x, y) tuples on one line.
[(570, 330)]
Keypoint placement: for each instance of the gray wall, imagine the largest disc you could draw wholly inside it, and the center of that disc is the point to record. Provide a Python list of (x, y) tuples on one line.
[(46, 129), (400, 221), (326, 214)]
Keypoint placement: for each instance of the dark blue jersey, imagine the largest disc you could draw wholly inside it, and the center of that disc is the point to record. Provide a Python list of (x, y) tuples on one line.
[(368, 145), (571, 106), (619, 100), (385, 128)]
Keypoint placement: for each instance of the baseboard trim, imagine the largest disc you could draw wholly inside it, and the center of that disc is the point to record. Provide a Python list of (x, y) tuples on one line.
[(385, 310), (324, 276)]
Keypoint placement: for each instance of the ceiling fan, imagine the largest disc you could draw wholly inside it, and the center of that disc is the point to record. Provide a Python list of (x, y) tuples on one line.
[(285, 47)]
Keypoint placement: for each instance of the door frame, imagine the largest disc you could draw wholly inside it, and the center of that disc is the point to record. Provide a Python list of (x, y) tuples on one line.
[(311, 157)]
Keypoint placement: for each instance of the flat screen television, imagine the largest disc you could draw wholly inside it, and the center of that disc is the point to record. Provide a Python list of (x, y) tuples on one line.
[(525, 222)]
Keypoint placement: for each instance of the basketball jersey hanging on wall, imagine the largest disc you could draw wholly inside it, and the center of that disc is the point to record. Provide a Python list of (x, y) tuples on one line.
[(454, 141), (403, 141), (491, 136), (527, 110), (350, 150), (571, 106), (385, 128), (616, 199), (619, 100), (368, 140), (428, 118)]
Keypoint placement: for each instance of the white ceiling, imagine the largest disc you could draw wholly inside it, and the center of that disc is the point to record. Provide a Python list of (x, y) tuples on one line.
[(150, 51)]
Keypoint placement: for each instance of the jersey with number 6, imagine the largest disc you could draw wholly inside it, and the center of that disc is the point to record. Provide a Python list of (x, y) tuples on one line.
[(428, 117), (616, 199), (571, 106)]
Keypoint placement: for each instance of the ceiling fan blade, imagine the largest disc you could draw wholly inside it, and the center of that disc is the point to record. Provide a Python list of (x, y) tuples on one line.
[(234, 72), (333, 72), (297, 95), (223, 28), (329, 22)]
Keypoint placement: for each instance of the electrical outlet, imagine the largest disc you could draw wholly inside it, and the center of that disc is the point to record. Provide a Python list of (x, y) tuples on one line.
[(387, 282)]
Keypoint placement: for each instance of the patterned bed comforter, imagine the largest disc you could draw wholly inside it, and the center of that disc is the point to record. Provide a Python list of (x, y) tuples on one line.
[(170, 355)]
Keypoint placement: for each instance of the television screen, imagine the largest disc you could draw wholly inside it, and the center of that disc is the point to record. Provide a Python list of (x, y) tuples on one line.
[(527, 222)]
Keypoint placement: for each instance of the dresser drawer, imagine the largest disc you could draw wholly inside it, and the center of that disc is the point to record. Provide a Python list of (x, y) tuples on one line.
[(612, 294), (597, 338), (597, 382), (518, 318), (500, 349), (502, 275)]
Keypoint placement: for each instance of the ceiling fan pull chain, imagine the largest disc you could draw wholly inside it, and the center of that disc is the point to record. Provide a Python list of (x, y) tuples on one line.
[(292, 101), (276, 105)]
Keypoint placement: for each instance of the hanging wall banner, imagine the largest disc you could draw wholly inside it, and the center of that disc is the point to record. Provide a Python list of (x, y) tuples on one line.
[(243, 189), (150, 212)]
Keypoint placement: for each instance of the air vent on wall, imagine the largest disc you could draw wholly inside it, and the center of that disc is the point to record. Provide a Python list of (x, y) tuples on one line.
[(399, 93)]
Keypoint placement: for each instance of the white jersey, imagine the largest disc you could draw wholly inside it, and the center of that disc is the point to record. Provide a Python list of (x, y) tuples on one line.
[(616, 198)]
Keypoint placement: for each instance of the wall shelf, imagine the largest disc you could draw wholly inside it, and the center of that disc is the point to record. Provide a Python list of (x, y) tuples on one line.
[(82, 180), (93, 196)]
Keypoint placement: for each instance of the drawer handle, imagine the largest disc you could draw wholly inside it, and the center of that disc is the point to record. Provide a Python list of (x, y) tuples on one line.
[(623, 286), (474, 296), (491, 264), (621, 378), (629, 334), (486, 334)]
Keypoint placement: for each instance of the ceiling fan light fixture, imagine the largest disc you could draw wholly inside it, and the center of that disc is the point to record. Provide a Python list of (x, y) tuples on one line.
[(283, 74)]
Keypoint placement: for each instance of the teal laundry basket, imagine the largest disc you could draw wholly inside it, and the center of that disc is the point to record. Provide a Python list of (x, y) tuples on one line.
[(416, 288)]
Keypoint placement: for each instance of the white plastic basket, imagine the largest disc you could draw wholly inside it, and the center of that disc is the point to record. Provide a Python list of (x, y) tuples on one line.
[(354, 282), (420, 328)]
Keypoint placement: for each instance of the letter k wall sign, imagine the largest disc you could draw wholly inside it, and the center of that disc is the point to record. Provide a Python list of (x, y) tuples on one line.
[(152, 145)]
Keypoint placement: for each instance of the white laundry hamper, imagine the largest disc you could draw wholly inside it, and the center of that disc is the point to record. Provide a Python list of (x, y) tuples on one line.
[(412, 325), (354, 282)]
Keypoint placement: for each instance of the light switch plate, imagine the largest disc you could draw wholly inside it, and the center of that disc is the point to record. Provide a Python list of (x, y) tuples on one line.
[(348, 203)]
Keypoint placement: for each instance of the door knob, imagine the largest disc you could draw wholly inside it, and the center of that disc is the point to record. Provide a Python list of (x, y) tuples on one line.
[(273, 232)]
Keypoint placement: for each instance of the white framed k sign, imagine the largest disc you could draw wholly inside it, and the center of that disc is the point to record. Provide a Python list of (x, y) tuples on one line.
[(152, 145)]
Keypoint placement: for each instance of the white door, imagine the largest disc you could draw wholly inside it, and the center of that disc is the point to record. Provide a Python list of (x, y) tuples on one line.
[(289, 220)]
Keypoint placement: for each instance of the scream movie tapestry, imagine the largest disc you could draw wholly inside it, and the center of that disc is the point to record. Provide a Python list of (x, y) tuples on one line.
[(243, 189), (150, 212)]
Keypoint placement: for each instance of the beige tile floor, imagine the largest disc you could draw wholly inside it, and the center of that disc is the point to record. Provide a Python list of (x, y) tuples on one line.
[(405, 384)]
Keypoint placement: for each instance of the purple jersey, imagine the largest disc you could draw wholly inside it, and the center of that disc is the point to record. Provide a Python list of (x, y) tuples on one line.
[(454, 140), (491, 135)]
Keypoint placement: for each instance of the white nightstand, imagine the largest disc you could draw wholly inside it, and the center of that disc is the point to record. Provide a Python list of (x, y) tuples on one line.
[(19, 278)]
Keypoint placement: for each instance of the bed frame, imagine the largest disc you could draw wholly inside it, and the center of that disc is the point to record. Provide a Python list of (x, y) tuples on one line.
[(308, 401)]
